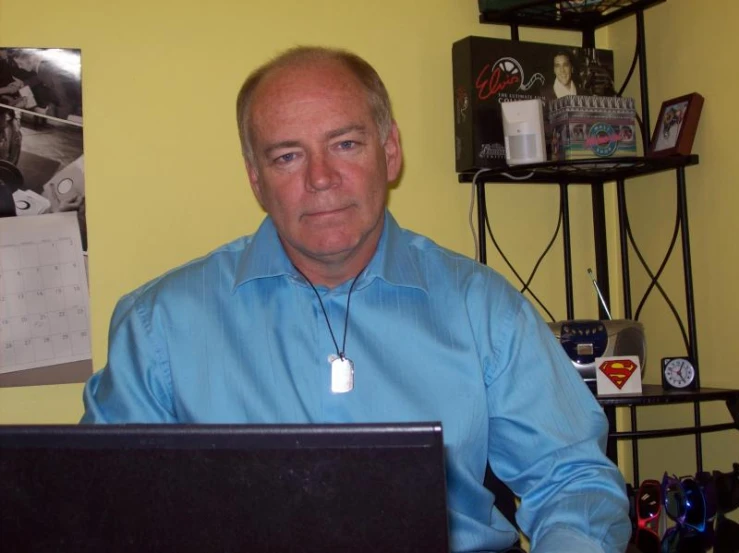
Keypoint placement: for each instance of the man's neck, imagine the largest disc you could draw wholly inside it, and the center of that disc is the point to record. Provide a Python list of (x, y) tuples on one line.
[(332, 273), (335, 269)]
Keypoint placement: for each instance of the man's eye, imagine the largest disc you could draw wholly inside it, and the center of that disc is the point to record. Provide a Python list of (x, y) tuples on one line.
[(347, 144), (286, 158)]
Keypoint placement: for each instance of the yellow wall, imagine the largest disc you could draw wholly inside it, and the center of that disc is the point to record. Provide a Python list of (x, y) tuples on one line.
[(165, 182), (164, 177)]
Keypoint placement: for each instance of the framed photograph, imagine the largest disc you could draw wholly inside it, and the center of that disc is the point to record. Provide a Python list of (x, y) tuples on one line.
[(676, 126)]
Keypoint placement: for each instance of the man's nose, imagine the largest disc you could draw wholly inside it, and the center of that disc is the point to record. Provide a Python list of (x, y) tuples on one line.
[(322, 175)]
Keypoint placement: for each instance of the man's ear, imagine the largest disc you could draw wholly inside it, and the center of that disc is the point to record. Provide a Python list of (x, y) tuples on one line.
[(393, 153), (256, 185)]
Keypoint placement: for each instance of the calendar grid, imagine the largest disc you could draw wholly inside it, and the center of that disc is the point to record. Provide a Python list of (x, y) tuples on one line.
[(44, 314)]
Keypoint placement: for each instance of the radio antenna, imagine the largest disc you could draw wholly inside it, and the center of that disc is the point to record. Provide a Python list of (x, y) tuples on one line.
[(600, 296)]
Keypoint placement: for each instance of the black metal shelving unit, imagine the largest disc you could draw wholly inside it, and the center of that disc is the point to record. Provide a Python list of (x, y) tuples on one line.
[(586, 17), (573, 16), (583, 171), (653, 395), (595, 173)]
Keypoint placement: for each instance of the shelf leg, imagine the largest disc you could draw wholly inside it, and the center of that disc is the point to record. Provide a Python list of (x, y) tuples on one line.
[(698, 438), (643, 87), (623, 217), (634, 446), (601, 245), (611, 444), (567, 248), (733, 406), (682, 207), (687, 267), (482, 236)]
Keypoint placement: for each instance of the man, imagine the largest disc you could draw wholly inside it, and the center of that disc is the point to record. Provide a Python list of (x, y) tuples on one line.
[(9, 84), (54, 82), (332, 313), (563, 84)]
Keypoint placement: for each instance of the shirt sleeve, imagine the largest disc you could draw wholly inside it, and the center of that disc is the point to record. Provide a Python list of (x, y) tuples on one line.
[(547, 439), (135, 386)]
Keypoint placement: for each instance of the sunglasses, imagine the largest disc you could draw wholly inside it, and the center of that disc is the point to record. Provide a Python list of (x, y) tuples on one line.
[(685, 502), (648, 507), (691, 503), (677, 540)]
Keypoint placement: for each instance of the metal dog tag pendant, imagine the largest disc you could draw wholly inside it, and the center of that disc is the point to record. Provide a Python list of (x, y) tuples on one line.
[(342, 374)]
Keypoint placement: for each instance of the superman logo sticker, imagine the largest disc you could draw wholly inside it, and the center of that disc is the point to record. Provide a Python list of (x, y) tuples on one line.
[(616, 375)]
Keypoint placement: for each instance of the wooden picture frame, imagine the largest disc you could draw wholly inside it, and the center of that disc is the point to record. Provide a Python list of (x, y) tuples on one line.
[(676, 126)]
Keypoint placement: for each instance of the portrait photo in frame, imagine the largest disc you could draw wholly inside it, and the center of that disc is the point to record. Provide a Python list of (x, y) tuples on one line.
[(676, 126)]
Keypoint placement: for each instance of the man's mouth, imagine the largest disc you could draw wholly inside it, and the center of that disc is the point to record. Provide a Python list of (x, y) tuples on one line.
[(326, 212)]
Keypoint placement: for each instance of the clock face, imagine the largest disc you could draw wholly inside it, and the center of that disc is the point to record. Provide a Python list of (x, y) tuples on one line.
[(679, 373)]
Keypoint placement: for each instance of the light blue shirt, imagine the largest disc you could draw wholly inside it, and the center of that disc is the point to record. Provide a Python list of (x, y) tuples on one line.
[(238, 336)]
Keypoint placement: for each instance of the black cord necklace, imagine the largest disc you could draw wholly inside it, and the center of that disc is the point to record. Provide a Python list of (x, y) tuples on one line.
[(342, 368)]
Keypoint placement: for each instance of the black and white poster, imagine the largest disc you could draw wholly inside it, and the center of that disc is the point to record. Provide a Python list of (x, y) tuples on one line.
[(41, 138), (44, 312)]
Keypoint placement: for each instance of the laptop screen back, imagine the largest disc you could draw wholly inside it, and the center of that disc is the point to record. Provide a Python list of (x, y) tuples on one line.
[(223, 488)]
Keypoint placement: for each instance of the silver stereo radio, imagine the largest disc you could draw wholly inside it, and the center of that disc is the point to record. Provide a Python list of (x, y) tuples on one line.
[(585, 339)]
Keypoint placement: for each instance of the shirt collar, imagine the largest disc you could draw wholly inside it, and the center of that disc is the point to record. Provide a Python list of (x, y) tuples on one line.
[(562, 90), (393, 262), (263, 256)]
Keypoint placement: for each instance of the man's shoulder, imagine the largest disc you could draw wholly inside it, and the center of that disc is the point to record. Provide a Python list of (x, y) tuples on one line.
[(424, 246), (207, 272), (455, 281), (427, 255)]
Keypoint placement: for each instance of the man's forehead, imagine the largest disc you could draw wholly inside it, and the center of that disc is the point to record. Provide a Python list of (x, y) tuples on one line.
[(307, 75), (292, 92)]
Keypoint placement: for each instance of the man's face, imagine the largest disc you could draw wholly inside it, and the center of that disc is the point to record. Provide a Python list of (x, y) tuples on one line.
[(563, 69), (25, 62), (321, 170)]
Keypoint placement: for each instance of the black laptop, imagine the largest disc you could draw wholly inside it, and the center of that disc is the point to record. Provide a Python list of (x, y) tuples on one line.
[(242, 488)]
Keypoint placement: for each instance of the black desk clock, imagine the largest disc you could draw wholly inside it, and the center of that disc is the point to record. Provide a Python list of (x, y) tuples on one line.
[(679, 373)]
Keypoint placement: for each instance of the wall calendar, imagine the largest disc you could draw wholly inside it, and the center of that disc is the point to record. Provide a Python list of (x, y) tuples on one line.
[(44, 301)]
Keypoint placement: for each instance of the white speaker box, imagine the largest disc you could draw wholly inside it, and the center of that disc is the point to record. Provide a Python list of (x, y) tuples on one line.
[(523, 127)]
